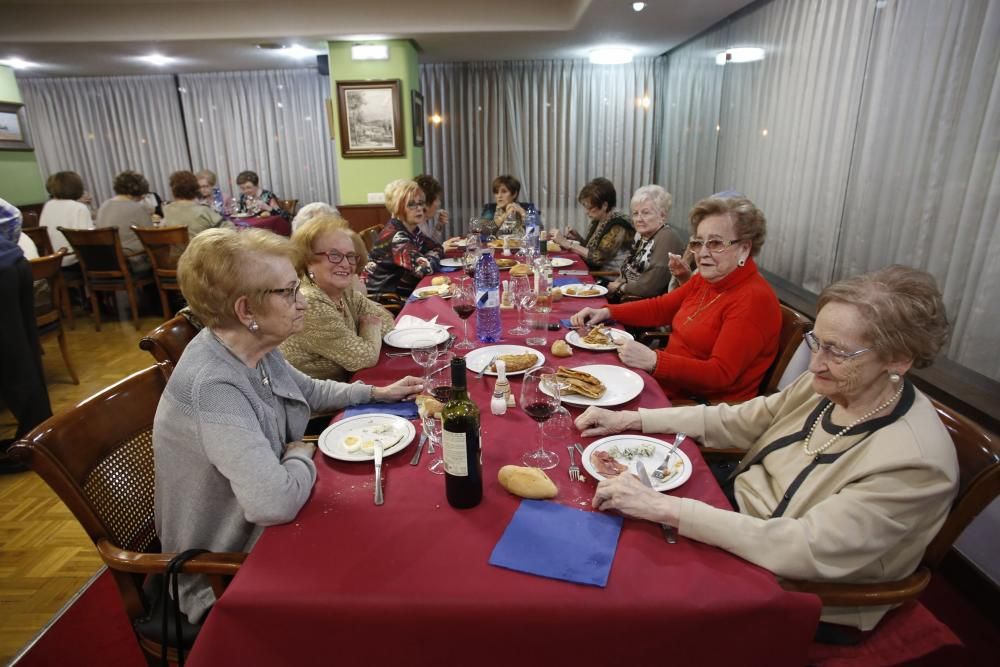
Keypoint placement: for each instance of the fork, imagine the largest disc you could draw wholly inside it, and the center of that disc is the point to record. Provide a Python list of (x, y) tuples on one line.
[(574, 470), (660, 473), (489, 363)]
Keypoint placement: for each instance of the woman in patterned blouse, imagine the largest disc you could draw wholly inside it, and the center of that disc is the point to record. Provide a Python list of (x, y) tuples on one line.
[(343, 329), (609, 239), (255, 200)]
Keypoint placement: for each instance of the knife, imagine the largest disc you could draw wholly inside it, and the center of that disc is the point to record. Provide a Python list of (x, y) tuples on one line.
[(668, 533), (379, 499), (420, 448)]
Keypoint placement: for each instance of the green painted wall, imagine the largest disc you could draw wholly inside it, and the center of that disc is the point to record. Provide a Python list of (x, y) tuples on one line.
[(20, 180), (360, 176)]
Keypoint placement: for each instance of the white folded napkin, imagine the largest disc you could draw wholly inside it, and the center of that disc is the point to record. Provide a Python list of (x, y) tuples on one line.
[(410, 322)]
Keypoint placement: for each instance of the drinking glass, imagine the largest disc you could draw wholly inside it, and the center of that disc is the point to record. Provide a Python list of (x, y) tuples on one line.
[(463, 302), (540, 400), (424, 353), (539, 306), (432, 427), (520, 286), (469, 260)]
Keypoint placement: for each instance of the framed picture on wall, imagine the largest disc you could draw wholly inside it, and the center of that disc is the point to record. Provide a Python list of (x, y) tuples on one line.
[(370, 118), (14, 127), (419, 121)]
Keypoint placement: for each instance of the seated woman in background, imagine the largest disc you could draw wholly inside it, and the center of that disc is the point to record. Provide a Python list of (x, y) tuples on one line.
[(646, 270), (343, 328), (210, 194), (848, 472), (65, 210), (255, 200), (609, 238), (504, 215), (725, 321), (124, 210), (435, 217), (402, 255), (185, 209), (228, 429), (314, 210)]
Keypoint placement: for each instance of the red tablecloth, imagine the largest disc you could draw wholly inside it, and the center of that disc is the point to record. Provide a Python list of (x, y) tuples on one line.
[(408, 583), (275, 223)]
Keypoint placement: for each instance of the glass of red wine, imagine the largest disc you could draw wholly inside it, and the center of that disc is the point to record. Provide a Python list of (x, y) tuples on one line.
[(540, 400), (463, 302)]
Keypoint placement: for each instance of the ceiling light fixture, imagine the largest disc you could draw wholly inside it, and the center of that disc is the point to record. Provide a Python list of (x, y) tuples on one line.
[(157, 59), (370, 52), (17, 63), (611, 55), (740, 54), (638, 6), (298, 52)]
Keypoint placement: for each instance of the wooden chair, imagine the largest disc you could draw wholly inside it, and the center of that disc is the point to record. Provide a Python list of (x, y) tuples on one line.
[(167, 342), (793, 325), (978, 485), (104, 266), (289, 205), (164, 246), (98, 458), (47, 315), (40, 236), (29, 220), (369, 235)]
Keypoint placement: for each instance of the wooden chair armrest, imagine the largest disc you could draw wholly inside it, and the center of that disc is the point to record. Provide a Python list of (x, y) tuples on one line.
[(605, 274), (863, 595), (217, 563)]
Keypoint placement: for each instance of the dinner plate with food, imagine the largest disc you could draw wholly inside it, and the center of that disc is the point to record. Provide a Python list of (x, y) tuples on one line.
[(560, 262), (354, 438), (581, 291), (408, 338), (616, 454), (511, 243), (598, 338), (453, 262), (519, 359), (506, 263), (602, 385), (443, 291)]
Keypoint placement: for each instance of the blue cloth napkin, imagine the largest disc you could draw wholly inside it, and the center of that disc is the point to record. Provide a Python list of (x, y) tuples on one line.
[(406, 409), (566, 280), (559, 542), (448, 269)]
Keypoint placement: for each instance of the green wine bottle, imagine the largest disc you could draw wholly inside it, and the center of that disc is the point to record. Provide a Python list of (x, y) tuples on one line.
[(460, 440)]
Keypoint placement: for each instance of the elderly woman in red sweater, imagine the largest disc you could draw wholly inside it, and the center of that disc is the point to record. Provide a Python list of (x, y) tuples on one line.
[(725, 321)]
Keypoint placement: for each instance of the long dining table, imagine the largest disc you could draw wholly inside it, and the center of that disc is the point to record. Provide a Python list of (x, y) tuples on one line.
[(409, 583)]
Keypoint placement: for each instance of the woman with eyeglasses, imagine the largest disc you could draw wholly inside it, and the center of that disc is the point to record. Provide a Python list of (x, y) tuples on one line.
[(725, 320), (227, 437), (847, 473), (343, 328), (609, 238), (402, 254)]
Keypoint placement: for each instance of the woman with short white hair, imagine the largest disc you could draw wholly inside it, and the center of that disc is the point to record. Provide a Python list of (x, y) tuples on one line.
[(310, 211)]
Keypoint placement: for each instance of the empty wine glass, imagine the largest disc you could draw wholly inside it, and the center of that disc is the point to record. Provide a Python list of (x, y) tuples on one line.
[(463, 302), (432, 427), (539, 400), (520, 286), (425, 353)]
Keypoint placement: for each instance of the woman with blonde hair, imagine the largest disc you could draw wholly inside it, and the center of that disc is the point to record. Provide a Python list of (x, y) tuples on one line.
[(343, 328), (227, 437)]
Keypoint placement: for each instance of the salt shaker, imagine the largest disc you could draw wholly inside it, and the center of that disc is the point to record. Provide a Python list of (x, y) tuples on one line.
[(498, 404)]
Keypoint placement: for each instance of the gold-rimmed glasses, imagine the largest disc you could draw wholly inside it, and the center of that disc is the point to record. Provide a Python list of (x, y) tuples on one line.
[(836, 355), (715, 246)]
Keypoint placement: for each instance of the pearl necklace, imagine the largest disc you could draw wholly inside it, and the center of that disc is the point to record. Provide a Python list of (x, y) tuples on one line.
[(828, 443)]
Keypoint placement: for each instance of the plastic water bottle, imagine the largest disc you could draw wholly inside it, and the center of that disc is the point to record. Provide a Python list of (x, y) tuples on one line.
[(532, 228), (487, 298)]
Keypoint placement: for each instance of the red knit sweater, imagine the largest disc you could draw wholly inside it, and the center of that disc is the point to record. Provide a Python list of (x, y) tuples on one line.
[(724, 338)]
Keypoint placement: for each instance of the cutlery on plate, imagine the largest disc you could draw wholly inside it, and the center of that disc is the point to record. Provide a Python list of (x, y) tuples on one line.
[(420, 448), (489, 363), (661, 472), (379, 499), (574, 470), (668, 533)]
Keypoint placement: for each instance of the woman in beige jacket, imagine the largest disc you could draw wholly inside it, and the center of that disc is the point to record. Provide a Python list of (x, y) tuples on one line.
[(848, 473)]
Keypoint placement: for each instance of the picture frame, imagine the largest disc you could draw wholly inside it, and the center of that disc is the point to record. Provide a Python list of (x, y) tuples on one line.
[(14, 134), (370, 118), (419, 120)]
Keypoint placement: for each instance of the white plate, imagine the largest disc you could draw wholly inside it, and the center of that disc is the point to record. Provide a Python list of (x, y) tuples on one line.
[(443, 291), (622, 386), (560, 262), (407, 338), (452, 261), (477, 359), (574, 338), (396, 430), (682, 472), (601, 290)]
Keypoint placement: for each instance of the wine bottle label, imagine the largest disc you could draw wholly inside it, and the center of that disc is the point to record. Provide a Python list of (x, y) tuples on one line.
[(456, 459)]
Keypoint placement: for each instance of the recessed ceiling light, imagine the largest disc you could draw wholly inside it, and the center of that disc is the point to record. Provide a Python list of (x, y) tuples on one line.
[(17, 63), (157, 59), (298, 51), (612, 55), (638, 6), (740, 54)]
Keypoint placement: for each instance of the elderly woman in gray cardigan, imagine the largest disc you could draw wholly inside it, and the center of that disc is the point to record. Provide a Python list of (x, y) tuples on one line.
[(227, 437)]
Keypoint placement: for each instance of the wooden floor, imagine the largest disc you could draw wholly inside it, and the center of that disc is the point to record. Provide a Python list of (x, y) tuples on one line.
[(45, 556)]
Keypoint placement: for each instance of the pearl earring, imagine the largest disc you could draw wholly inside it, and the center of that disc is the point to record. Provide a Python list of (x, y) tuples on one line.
[(253, 326), (894, 377), (742, 262), (312, 276)]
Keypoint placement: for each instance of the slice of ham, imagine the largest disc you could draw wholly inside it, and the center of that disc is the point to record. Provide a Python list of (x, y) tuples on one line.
[(605, 465)]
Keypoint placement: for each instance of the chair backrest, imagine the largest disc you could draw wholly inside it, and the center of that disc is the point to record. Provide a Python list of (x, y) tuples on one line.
[(47, 268), (978, 453), (793, 325), (289, 205), (167, 342), (369, 235), (99, 251), (29, 219), (40, 236), (164, 246)]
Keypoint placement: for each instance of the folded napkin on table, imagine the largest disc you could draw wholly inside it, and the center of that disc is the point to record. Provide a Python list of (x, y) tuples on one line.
[(406, 409), (559, 542), (568, 280), (410, 322), (448, 269)]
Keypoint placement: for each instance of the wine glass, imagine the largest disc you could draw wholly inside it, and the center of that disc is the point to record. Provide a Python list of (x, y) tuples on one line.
[(424, 353), (520, 286), (469, 261), (539, 400), (463, 302), (432, 427)]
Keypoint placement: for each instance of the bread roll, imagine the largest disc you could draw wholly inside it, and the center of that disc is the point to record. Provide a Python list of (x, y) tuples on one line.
[(527, 482), (428, 405), (561, 349), (556, 294), (520, 270), (554, 247), (440, 280)]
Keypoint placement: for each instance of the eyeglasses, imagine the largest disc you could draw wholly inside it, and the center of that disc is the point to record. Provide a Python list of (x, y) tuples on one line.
[(714, 246), (645, 213), (336, 257), (290, 294), (420, 203), (837, 356)]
